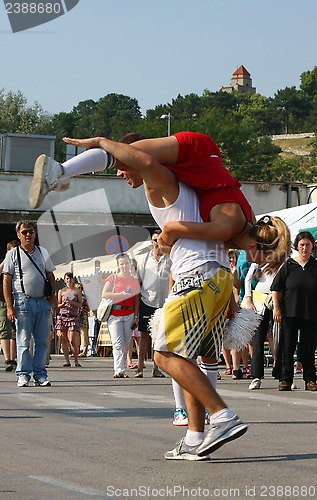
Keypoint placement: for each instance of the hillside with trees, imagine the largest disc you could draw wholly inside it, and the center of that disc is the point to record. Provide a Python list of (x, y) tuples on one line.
[(241, 124)]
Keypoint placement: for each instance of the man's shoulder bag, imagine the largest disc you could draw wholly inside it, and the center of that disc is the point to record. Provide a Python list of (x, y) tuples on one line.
[(47, 284)]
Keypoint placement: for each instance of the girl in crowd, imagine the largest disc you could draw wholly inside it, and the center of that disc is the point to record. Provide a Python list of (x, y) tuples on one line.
[(69, 301)]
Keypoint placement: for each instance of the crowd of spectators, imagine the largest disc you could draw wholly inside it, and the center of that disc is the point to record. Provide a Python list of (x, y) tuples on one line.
[(138, 289)]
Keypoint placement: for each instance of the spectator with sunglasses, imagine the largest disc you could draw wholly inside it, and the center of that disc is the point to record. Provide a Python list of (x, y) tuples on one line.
[(25, 269), (7, 328)]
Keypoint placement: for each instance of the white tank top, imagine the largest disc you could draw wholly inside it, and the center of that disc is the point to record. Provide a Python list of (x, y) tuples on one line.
[(187, 254)]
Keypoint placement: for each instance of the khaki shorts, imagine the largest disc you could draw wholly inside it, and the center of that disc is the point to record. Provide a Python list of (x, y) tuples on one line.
[(7, 328), (192, 322)]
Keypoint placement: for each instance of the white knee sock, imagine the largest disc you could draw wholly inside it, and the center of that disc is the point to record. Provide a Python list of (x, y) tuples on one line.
[(92, 160), (178, 395), (211, 372)]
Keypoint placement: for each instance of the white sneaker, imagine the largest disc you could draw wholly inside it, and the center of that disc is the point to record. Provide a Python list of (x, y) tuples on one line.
[(42, 382), (255, 384), (220, 433), (23, 381), (46, 177), (184, 452)]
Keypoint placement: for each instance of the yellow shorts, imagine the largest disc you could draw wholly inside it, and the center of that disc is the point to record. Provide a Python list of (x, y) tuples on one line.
[(192, 322)]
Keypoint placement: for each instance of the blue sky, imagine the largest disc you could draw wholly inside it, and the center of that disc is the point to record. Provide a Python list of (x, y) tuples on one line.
[(153, 50)]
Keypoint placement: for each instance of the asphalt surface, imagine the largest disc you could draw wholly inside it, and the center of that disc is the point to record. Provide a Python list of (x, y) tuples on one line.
[(92, 436)]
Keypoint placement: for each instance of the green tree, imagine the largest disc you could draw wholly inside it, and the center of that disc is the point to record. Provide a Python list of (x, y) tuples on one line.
[(290, 105), (61, 125), (83, 119), (259, 113), (185, 107), (114, 114), (293, 170), (17, 117), (308, 83)]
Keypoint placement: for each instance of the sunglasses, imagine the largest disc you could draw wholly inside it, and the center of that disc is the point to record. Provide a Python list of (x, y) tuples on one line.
[(27, 231)]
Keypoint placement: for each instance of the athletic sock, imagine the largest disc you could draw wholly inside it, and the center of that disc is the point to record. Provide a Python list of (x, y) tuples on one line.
[(211, 372), (92, 160), (222, 415), (194, 438), (178, 395)]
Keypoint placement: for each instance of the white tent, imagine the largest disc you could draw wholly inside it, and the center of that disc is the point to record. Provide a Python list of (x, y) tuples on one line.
[(103, 263), (297, 218)]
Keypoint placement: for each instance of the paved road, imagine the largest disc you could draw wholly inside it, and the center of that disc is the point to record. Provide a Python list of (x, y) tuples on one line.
[(92, 436)]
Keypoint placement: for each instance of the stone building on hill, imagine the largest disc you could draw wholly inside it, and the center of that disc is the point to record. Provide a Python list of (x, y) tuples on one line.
[(241, 81)]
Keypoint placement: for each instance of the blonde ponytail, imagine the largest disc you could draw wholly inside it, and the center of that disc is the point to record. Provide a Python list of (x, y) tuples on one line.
[(273, 238)]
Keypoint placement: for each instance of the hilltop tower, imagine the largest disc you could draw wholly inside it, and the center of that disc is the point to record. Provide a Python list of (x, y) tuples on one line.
[(241, 81)]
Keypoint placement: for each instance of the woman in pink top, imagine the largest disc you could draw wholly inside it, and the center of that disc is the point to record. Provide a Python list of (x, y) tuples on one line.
[(124, 289)]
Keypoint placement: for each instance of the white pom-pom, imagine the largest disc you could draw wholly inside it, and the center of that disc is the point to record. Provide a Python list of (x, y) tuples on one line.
[(154, 323), (240, 329)]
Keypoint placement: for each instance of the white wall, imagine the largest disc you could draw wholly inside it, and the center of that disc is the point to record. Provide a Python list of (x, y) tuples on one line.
[(104, 193)]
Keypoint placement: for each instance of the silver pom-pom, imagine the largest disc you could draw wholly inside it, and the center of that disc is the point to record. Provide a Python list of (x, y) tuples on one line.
[(240, 329), (154, 323)]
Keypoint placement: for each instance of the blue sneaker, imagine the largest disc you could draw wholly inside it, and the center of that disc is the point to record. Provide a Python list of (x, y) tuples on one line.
[(180, 417), (207, 417)]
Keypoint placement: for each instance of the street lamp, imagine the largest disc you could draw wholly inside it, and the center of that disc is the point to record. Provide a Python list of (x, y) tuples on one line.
[(168, 116)]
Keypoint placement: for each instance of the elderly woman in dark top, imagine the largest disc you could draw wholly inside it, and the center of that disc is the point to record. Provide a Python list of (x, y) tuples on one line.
[(294, 292)]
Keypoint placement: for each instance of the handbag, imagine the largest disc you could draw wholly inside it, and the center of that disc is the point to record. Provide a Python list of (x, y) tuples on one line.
[(104, 309), (105, 306)]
